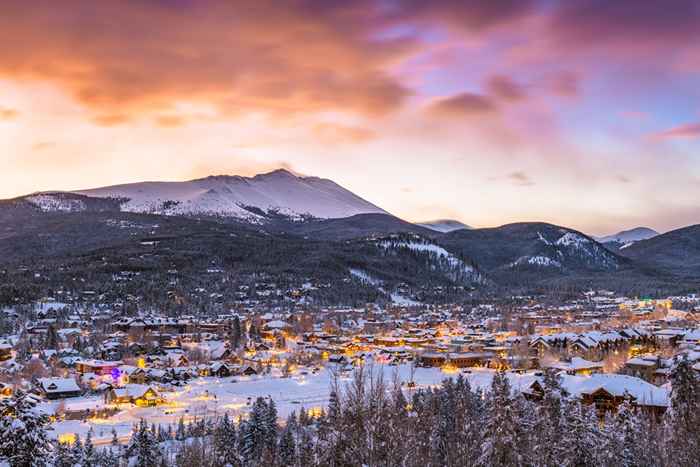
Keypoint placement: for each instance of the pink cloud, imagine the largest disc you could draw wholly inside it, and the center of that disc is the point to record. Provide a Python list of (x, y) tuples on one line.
[(687, 131)]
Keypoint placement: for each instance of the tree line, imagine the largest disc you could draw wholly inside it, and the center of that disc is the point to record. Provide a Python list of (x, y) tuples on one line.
[(373, 422)]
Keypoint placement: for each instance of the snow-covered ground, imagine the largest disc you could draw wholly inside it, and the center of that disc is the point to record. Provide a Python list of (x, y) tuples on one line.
[(212, 397)]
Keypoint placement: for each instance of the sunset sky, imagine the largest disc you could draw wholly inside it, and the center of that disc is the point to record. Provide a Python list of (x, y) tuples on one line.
[(580, 113)]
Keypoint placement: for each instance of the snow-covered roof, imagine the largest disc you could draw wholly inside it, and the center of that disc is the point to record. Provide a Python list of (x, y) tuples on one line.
[(617, 385), (58, 385)]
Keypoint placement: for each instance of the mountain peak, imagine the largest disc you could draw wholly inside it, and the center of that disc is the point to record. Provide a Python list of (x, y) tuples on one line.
[(275, 193), (281, 172), (631, 235), (443, 225)]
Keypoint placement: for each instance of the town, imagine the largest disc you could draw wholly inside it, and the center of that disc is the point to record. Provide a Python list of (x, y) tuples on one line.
[(96, 371)]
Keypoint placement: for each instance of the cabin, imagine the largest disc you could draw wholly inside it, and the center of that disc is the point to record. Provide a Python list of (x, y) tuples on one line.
[(98, 367), (220, 370), (471, 359), (643, 367), (137, 394), (59, 388), (5, 352), (577, 366), (608, 391), (432, 359), (248, 371)]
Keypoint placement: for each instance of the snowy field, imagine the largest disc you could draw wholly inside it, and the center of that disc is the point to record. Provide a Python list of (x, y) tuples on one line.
[(212, 397)]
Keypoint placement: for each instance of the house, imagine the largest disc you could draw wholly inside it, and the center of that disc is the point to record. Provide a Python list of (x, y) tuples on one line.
[(433, 359), (137, 394), (577, 366), (5, 352), (59, 388), (643, 367), (248, 371), (220, 369), (98, 367), (133, 374), (608, 391)]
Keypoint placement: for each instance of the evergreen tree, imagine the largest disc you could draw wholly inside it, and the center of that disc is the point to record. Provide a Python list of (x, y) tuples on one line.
[(501, 445), (684, 416), (287, 445), (63, 456), (236, 334), (23, 432), (181, 433), (143, 447), (89, 455), (270, 426), (225, 440), (582, 438), (77, 451), (549, 422), (253, 436)]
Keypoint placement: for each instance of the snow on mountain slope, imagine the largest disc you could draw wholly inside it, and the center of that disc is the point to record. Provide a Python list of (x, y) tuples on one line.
[(48, 202), (629, 236), (451, 264), (278, 192), (443, 225), (542, 261)]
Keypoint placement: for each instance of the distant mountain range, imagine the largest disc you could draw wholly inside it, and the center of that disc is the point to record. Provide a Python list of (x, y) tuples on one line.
[(632, 235), (289, 226)]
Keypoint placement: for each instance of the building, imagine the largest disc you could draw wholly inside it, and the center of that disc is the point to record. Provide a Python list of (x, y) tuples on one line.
[(59, 388), (137, 394)]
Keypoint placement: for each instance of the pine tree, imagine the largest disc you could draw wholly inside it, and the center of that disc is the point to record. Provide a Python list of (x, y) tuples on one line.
[(253, 435), (106, 458), (89, 455), (77, 451), (582, 439), (181, 433), (628, 435), (23, 432), (225, 440), (548, 423), (287, 445), (270, 426), (143, 447), (63, 456), (501, 445), (684, 416), (236, 334)]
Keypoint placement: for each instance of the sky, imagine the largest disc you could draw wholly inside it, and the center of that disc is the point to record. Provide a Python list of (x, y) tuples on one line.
[(583, 113)]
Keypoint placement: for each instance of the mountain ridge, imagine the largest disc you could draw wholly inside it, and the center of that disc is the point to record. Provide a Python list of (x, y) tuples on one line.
[(254, 199)]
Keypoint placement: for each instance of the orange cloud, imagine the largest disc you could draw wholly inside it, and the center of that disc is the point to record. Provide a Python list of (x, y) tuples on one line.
[(331, 133), (170, 121), (8, 114), (265, 56), (110, 119)]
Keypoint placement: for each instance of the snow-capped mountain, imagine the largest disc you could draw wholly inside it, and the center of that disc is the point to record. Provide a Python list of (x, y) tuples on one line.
[(531, 246), (443, 225), (252, 198), (629, 236)]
